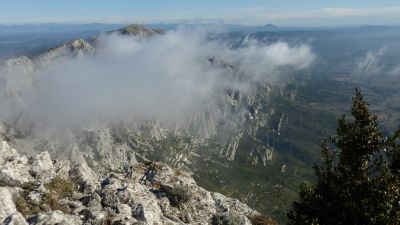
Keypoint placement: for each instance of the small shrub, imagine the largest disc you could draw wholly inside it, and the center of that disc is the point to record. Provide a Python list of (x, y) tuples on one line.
[(30, 186), (220, 220), (60, 187), (178, 195), (109, 220), (25, 207), (178, 173), (261, 220), (21, 205), (53, 202), (226, 219)]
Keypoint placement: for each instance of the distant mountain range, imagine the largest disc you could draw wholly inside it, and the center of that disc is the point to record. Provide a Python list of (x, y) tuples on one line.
[(56, 27), (101, 27), (230, 27)]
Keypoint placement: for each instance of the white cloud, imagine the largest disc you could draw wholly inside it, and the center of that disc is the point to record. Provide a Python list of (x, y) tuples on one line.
[(370, 64), (166, 77), (381, 62)]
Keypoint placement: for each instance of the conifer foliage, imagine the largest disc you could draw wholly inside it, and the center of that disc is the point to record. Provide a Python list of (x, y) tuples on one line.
[(359, 179)]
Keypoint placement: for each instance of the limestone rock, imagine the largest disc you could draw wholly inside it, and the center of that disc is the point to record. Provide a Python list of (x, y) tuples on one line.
[(7, 206), (62, 168), (42, 167), (6, 153), (229, 204), (15, 219), (84, 178), (56, 217), (16, 172)]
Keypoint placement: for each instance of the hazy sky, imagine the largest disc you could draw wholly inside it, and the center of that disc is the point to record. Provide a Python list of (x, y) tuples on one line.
[(253, 12)]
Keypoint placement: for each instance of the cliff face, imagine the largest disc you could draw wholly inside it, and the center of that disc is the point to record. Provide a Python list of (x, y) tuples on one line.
[(39, 190)]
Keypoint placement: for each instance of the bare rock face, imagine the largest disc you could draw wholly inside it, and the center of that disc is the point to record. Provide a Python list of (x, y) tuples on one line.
[(98, 141), (54, 192), (7, 206), (8, 212), (84, 178), (15, 219), (79, 47), (62, 168), (42, 167), (15, 172), (57, 217), (7, 153)]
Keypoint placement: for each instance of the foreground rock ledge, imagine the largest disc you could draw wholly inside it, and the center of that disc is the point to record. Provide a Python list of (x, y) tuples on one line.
[(39, 190)]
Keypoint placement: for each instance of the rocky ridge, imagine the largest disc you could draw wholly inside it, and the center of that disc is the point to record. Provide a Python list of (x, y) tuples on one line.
[(39, 190), (75, 48)]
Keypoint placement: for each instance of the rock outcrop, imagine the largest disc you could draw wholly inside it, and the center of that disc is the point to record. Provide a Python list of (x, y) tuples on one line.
[(40, 190)]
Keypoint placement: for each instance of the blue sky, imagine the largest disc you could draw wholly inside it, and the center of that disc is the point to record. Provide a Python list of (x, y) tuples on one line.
[(252, 12)]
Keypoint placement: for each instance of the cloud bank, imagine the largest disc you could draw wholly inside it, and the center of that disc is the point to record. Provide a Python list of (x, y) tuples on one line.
[(166, 77)]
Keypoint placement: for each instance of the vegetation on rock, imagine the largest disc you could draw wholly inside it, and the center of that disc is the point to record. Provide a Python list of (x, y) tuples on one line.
[(178, 195), (57, 189), (261, 220)]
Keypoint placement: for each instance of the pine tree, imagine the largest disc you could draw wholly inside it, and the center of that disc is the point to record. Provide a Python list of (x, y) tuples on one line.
[(359, 180)]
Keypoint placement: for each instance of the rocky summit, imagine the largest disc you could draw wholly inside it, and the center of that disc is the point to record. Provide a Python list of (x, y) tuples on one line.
[(137, 30), (39, 190)]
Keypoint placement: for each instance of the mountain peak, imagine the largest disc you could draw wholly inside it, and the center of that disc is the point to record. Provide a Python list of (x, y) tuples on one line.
[(78, 44), (137, 30)]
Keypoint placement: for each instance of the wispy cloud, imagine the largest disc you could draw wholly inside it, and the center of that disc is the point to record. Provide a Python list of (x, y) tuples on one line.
[(323, 16), (252, 16), (370, 64), (168, 77), (363, 12), (380, 62)]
